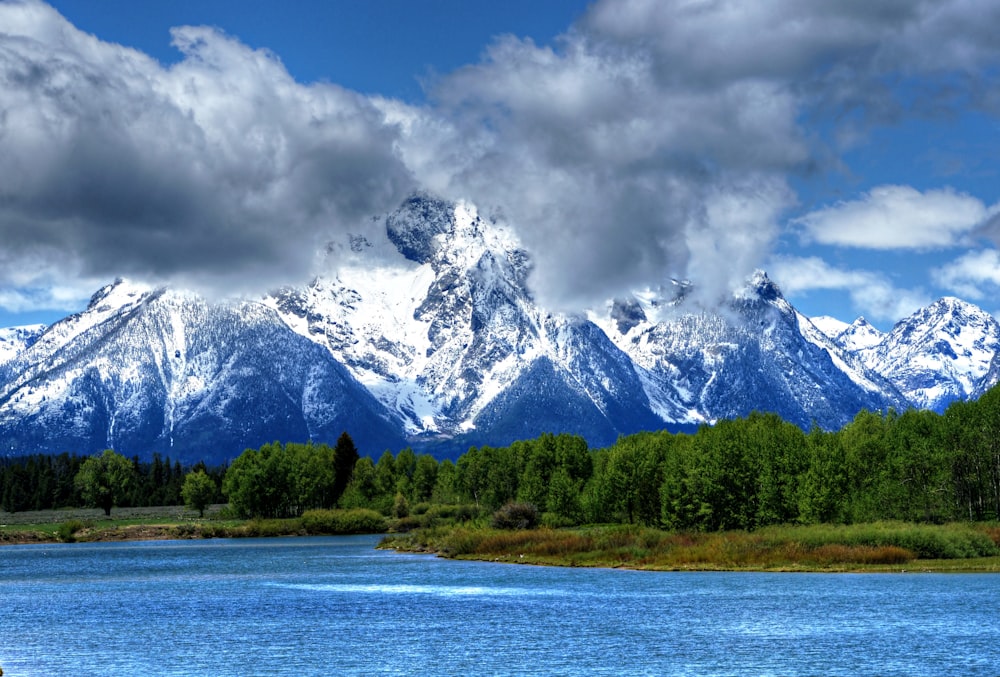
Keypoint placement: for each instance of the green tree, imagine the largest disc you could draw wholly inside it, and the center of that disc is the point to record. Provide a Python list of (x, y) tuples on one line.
[(260, 483), (823, 485), (405, 465), (361, 490), (198, 491), (424, 477), (313, 475), (445, 490), (104, 480)]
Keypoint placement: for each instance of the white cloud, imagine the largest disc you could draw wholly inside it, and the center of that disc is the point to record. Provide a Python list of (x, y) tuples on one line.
[(897, 217), (654, 139), (220, 172), (974, 275), (872, 294)]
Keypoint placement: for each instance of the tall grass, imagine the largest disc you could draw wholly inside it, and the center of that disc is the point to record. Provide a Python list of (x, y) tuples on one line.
[(790, 547)]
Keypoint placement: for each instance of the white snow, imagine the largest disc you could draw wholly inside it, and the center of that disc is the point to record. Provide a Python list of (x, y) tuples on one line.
[(830, 326)]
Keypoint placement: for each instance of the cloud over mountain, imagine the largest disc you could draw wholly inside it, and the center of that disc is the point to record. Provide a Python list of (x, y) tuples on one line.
[(217, 171), (652, 140)]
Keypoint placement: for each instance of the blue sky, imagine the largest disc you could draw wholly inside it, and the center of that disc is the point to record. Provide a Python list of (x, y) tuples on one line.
[(848, 149)]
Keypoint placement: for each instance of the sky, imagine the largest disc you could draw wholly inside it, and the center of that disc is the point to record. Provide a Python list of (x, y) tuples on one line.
[(848, 149)]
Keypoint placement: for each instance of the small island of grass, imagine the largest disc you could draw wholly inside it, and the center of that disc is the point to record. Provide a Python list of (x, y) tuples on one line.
[(886, 546)]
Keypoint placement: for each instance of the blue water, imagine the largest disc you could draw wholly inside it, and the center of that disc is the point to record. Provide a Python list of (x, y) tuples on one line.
[(333, 606)]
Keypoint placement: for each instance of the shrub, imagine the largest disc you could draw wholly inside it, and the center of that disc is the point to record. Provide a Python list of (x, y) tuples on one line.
[(400, 506), (554, 520), (265, 528), (354, 521), (67, 530), (516, 516), (409, 523)]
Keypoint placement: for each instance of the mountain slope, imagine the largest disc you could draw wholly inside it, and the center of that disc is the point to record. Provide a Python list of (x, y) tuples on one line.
[(760, 354), (153, 370), (437, 321)]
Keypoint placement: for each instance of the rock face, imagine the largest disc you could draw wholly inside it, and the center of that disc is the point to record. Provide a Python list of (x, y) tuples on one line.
[(428, 335)]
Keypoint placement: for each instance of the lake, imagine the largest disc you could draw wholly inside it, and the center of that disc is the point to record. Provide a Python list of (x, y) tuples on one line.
[(335, 606)]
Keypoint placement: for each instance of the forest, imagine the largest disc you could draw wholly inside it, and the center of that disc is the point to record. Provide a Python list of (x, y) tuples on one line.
[(915, 466)]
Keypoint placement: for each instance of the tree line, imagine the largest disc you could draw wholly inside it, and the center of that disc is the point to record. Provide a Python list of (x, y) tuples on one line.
[(737, 474), (47, 482)]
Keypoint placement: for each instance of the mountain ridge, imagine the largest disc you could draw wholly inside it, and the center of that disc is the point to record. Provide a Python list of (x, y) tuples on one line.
[(427, 334)]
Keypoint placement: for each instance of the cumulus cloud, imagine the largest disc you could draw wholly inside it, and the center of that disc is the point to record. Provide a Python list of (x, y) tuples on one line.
[(220, 172), (897, 217), (654, 139), (872, 294), (974, 275)]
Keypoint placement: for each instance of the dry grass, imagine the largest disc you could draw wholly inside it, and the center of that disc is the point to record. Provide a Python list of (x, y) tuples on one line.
[(797, 548)]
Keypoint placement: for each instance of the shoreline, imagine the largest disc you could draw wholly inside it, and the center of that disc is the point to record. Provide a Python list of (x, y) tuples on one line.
[(778, 550), (788, 549)]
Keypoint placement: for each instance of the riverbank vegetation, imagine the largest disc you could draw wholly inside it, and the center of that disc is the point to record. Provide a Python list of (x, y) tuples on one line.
[(167, 523), (884, 546), (747, 476)]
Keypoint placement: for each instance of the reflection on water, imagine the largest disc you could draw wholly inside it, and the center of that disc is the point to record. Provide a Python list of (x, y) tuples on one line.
[(337, 606)]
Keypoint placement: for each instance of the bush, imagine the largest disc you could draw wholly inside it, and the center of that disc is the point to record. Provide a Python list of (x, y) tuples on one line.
[(266, 528), (409, 523), (516, 516), (67, 530), (354, 521)]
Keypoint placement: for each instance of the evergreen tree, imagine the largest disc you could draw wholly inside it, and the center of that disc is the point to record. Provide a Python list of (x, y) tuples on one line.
[(345, 456)]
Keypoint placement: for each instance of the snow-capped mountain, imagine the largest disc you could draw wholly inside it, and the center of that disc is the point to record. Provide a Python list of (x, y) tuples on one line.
[(442, 329), (14, 341), (427, 334), (859, 336), (938, 355), (145, 370), (830, 326), (759, 354)]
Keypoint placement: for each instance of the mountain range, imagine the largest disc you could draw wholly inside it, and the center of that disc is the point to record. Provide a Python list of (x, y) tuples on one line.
[(427, 335)]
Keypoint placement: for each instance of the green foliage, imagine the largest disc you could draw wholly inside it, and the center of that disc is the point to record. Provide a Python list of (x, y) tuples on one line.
[(278, 481), (400, 506), (355, 521), (198, 491), (68, 530), (104, 480)]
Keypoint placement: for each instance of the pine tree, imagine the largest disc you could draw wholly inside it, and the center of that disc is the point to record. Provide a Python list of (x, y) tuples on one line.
[(345, 455)]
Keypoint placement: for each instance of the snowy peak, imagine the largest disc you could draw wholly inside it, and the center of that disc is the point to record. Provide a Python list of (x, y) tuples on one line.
[(427, 334), (860, 335), (415, 225), (939, 354), (757, 352), (830, 326)]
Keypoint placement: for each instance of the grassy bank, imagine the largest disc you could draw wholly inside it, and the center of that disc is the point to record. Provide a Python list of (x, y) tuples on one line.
[(890, 546), (883, 546), (168, 523)]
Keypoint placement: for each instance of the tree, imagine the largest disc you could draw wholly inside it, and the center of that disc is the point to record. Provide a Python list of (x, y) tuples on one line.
[(104, 480), (345, 456), (198, 491), (424, 477)]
